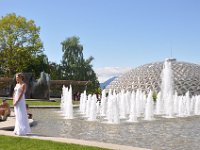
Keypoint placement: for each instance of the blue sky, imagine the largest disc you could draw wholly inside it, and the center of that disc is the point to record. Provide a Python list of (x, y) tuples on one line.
[(116, 33)]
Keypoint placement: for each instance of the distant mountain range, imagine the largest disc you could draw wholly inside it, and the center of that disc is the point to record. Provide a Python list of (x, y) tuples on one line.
[(107, 82)]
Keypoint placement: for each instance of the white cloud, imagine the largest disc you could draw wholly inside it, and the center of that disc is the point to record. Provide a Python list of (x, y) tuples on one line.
[(106, 73)]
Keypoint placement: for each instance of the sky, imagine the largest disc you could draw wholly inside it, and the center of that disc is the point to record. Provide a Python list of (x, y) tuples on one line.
[(120, 35)]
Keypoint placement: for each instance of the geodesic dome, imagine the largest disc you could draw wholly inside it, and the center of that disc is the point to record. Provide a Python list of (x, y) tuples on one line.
[(148, 77)]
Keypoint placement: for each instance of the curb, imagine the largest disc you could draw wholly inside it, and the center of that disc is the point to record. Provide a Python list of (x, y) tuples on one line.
[(75, 141)]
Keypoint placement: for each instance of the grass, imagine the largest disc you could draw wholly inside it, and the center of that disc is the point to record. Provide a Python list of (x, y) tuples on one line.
[(20, 143), (41, 102)]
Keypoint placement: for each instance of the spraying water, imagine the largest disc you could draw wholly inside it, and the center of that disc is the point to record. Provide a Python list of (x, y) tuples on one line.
[(167, 88)]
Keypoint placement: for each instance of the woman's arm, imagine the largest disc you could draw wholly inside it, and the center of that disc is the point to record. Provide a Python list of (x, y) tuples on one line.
[(13, 96), (20, 96)]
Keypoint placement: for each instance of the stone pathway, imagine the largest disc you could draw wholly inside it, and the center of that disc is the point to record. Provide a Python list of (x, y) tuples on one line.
[(9, 124)]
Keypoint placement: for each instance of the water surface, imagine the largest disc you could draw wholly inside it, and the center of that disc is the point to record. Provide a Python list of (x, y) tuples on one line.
[(160, 134)]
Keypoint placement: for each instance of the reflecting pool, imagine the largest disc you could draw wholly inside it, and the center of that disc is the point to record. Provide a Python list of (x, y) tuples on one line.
[(162, 133)]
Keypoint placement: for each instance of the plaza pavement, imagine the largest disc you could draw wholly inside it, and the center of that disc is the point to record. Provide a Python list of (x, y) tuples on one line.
[(6, 128)]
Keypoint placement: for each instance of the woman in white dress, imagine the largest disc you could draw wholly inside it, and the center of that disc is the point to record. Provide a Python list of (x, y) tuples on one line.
[(21, 119)]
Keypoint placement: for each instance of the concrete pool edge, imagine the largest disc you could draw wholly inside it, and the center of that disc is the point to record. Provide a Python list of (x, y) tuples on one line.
[(75, 141)]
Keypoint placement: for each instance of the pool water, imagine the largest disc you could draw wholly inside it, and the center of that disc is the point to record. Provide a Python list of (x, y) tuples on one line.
[(162, 133)]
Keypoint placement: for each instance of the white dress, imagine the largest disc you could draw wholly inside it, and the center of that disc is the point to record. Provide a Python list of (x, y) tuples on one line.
[(21, 119)]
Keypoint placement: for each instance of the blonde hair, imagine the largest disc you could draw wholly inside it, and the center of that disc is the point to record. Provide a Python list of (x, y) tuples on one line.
[(20, 74)]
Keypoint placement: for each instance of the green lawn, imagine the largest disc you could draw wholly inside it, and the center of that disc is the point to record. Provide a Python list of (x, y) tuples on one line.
[(40, 102), (19, 143)]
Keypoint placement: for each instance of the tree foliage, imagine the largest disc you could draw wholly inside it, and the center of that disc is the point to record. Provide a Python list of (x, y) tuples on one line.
[(55, 71), (38, 64), (72, 57), (20, 45), (75, 67)]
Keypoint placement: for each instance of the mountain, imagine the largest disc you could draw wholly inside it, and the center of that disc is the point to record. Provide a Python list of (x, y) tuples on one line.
[(106, 83)]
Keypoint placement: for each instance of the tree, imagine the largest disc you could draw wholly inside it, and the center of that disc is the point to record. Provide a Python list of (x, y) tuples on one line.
[(87, 73), (20, 44), (39, 64), (154, 96), (55, 71), (75, 67), (72, 57)]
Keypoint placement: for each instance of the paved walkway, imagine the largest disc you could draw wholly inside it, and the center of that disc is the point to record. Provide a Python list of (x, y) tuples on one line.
[(9, 125)]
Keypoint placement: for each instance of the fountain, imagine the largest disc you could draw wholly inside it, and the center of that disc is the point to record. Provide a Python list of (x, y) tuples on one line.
[(103, 104), (41, 87), (131, 106), (133, 114), (66, 102), (114, 118), (113, 106), (167, 90), (93, 109), (149, 107), (159, 105)]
